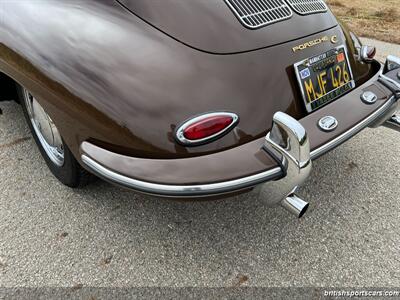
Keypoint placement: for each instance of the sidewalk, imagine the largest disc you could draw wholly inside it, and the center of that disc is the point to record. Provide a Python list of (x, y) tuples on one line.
[(384, 49)]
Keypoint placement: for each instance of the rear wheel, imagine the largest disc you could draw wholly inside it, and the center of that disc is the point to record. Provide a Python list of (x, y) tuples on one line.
[(55, 152)]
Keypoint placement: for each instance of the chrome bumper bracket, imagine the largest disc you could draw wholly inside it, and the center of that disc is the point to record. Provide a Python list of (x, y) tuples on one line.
[(393, 122), (392, 118), (289, 144)]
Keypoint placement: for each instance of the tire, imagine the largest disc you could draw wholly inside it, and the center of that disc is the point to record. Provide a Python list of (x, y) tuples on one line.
[(60, 159)]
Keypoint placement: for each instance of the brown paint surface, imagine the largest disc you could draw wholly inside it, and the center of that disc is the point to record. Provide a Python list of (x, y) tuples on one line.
[(108, 77)]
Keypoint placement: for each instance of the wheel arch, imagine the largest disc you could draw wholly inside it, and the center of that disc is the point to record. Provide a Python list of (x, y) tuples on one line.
[(8, 90)]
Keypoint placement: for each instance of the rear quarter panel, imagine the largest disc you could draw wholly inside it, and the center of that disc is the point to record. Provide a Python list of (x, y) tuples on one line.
[(112, 79)]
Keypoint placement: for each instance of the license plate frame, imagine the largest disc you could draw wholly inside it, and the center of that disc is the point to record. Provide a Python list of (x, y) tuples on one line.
[(303, 72)]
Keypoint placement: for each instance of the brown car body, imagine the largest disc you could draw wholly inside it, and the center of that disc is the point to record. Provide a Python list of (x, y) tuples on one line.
[(118, 78)]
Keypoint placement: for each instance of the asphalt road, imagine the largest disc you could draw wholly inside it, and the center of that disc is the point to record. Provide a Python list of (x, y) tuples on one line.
[(102, 235)]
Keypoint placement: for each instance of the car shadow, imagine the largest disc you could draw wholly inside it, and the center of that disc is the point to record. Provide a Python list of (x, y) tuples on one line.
[(243, 220)]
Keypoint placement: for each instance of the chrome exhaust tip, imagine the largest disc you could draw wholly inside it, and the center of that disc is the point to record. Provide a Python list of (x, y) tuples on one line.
[(295, 205)]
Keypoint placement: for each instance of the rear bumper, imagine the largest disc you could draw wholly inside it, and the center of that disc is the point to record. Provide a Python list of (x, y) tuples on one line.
[(280, 164)]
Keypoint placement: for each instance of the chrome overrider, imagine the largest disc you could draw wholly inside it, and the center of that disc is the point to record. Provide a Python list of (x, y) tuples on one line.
[(392, 119), (393, 122), (288, 143)]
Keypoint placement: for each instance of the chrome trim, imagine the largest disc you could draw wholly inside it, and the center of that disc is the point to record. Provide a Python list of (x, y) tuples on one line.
[(187, 142), (328, 127), (255, 14), (393, 123), (392, 118), (354, 130), (295, 205), (392, 63), (288, 142), (180, 190), (392, 81), (308, 7), (369, 97)]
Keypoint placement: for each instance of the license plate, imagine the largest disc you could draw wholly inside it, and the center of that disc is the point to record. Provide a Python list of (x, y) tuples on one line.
[(324, 78)]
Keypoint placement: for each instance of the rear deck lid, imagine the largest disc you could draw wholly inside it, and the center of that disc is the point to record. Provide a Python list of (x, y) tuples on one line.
[(233, 26)]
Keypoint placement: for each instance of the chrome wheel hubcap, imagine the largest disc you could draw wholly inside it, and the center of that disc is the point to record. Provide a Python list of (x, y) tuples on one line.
[(45, 129)]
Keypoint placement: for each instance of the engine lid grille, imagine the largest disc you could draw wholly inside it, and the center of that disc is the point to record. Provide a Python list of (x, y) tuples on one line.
[(307, 7), (258, 13)]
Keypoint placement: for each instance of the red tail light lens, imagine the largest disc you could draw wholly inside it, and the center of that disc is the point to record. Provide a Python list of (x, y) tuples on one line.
[(205, 128)]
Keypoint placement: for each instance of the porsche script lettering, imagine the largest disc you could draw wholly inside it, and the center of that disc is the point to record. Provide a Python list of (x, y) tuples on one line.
[(311, 43)]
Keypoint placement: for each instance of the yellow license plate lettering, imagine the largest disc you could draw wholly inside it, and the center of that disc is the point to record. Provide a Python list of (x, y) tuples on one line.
[(322, 81), (324, 78), (335, 82), (339, 74), (346, 74), (321, 92), (310, 90)]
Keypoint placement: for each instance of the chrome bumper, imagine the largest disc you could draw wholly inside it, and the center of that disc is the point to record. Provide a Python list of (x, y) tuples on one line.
[(393, 122), (287, 142)]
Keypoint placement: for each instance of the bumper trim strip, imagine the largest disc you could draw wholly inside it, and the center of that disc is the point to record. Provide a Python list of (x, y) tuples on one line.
[(385, 108), (181, 190)]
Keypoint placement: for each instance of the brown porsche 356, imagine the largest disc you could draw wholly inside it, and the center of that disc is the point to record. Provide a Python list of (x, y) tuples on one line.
[(189, 98)]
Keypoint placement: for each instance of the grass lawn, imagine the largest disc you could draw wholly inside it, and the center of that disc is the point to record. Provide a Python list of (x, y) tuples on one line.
[(378, 19)]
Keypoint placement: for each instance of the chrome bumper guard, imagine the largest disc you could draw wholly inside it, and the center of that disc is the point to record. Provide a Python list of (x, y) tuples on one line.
[(288, 143), (393, 122), (392, 64)]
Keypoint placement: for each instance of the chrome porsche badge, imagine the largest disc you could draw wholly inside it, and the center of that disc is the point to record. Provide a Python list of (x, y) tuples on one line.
[(328, 123), (311, 44)]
